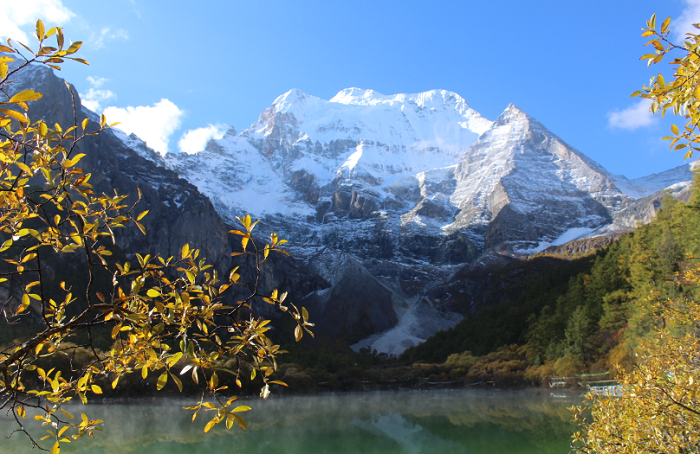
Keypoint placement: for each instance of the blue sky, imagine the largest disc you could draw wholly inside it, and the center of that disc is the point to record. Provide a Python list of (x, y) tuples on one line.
[(178, 72)]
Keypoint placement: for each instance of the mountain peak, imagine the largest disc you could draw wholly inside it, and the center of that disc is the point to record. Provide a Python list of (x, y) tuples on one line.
[(430, 98), (354, 95), (290, 99)]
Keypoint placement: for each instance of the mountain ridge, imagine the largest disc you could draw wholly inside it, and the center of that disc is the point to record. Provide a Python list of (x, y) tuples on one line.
[(409, 189)]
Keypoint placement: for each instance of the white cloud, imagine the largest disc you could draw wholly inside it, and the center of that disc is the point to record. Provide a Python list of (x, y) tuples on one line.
[(94, 98), (107, 34), (195, 140), (633, 117), (689, 16), (96, 82), (153, 124), (17, 15)]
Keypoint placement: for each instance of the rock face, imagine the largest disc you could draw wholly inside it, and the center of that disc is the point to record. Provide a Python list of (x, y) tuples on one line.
[(178, 212)]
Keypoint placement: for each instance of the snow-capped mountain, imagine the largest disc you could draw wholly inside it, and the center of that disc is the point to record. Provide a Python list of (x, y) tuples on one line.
[(293, 158), (385, 197)]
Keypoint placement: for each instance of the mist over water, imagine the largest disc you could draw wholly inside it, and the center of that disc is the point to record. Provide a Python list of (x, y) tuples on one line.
[(446, 422)]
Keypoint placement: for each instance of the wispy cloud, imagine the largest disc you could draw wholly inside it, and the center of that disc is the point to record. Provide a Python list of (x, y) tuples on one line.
[(98, 40), (18, 16), (689, 16), (195, 140), (96, 82), (94, 97), (153, 124), (633, 117)]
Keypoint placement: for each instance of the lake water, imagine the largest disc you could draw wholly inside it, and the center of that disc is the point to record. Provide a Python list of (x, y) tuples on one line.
[(445, 422)]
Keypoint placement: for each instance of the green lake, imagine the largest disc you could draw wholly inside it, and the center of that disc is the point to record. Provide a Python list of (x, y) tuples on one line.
[(409, 422)]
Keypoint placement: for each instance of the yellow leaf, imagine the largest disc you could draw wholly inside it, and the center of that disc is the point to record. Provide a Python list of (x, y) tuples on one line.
[(14, 114), (96, 389), (665, 25), (177, 381), (85, 123), (56, 448), (241, 422), (25, 303), (298, 333), (26, 95), (210, 424), (153, 293), (74, 47), (40, 30), (24, 167), (696, 92), (162, 380), (674, 129)]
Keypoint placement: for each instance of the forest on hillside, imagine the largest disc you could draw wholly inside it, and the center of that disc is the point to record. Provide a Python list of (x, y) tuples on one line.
[(585, 315)]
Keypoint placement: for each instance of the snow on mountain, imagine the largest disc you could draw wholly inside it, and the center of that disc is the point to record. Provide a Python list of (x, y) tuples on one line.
[(525, 185), (644, 186), (306, 144), (402, 188)]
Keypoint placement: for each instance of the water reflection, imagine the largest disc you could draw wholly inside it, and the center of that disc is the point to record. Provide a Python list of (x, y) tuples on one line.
[(455, 421), (412, 438)]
